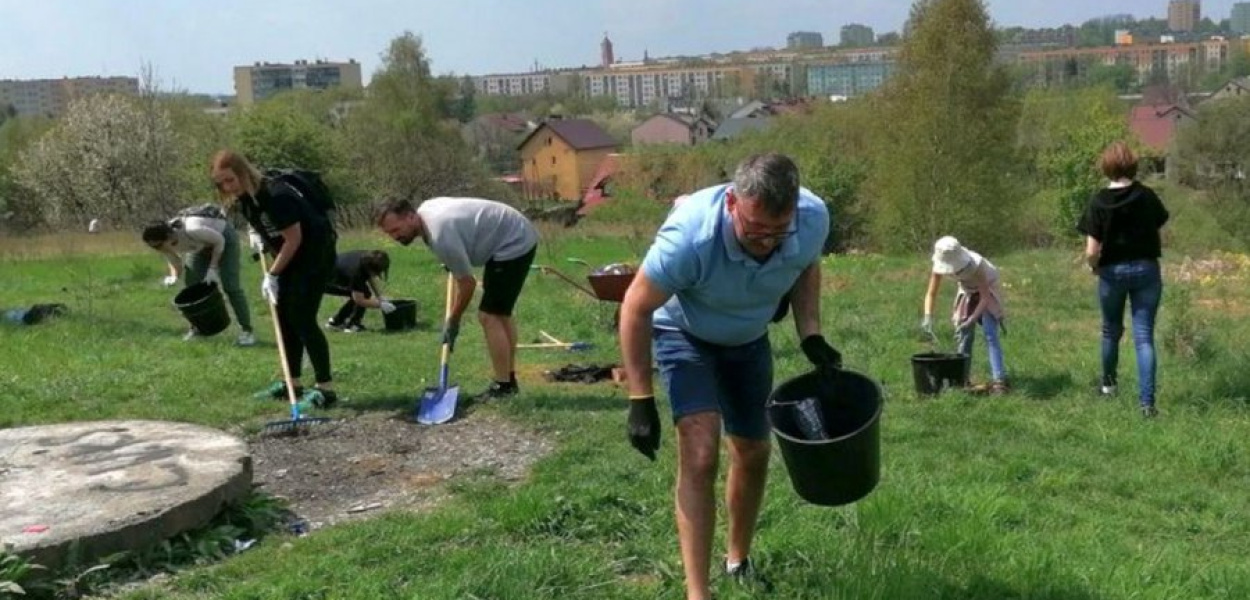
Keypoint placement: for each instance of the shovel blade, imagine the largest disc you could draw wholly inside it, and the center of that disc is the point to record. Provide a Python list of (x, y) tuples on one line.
[(438, 406)]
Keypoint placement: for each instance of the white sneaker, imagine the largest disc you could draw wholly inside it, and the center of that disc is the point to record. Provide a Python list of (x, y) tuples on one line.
[(246, 338), (190, 336)]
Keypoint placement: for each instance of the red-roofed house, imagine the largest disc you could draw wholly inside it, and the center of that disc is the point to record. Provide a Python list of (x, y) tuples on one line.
[(560, 157), (1155, 127), (597, 192)]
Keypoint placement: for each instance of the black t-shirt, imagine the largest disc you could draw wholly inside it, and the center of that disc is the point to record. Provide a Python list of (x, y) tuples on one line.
[(1126, 221), (277, 206), (348, 272)]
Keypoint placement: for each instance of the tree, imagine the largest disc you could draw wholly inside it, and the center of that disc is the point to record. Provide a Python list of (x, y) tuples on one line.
[(18, 209), (108, 158), (465, 105), (943, 154), (1061, 134), (1214, 154), (403, 140)]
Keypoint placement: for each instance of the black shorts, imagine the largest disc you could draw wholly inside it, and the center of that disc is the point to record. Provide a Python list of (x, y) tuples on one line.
[(502, 282)]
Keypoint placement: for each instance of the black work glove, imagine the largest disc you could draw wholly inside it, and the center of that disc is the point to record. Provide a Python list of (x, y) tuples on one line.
[(822, 356), (644, 426)]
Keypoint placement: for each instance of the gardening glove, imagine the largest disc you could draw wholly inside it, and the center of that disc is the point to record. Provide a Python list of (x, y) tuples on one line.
[(822, 356), (269, 288), (169, 280), (926, 325), (212, 276), (451, 330), (386, 306), (644, 426)]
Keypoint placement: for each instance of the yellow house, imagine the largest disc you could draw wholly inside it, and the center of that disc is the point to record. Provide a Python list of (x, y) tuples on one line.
[(560, 157)]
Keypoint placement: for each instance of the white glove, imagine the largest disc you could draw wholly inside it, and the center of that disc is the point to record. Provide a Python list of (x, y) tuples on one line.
[(256, 242), (169, 280), (212, 276), (386, 306), (269, 288)]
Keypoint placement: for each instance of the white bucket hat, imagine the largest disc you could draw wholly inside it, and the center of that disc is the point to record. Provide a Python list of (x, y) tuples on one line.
[(950, 257)]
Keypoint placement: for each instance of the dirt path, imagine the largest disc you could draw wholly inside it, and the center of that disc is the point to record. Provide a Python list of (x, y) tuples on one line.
[(361, 466)]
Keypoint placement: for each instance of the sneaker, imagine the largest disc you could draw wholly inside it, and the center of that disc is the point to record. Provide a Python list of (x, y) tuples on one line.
[(1148, 411), (1107, 388), (246, 338), (325, 398), (744, 574), (191, 336), (354, 328), (334, 325), (977, 389), (310, 399), (276, 391), (999, 388), (499, 390)]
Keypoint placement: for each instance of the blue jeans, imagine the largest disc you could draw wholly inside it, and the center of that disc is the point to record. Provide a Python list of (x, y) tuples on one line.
[(965, 337), (1141, 283), (734, 381)]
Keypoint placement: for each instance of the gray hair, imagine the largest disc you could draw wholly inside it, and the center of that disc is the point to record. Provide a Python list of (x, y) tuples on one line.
[(772, 179)]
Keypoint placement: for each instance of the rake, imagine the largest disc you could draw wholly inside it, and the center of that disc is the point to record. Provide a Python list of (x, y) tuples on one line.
[(298, 423)]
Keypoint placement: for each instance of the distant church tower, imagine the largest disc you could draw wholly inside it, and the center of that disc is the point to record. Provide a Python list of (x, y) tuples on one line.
[(605, 51)]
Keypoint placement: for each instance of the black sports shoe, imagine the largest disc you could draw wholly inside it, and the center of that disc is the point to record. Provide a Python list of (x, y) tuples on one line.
[(744, 574), (327, 398), (499, 389)]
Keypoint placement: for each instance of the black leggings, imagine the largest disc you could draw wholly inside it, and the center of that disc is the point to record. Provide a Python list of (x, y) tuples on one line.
[(299, 299), (351, 313)]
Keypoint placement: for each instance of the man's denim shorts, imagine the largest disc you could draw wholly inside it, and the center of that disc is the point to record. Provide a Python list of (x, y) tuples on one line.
[(734, 381)]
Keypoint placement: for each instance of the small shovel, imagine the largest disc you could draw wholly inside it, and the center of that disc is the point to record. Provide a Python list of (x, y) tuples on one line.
[(438, 404)]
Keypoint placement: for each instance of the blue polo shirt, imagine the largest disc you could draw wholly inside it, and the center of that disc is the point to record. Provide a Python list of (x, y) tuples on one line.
[(720, 293)]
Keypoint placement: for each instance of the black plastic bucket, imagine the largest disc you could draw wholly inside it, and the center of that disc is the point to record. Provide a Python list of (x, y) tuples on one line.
[(203, 306), (845, 465), (403, 317), (935, 371)]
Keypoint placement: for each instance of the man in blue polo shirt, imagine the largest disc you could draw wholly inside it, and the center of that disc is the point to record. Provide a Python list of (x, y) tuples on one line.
[(711, 282)]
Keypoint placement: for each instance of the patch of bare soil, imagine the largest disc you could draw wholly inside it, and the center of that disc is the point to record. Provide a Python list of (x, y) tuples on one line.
[(360, 466)]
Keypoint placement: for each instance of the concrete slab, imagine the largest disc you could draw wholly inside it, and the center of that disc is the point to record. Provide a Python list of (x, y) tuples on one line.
[(110, 486)]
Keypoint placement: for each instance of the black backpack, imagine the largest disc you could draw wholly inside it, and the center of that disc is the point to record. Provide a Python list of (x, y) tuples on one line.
[(209, 211), (310, 186)]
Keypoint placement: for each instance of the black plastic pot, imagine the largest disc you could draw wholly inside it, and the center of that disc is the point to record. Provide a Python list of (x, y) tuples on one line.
[(403, 317), (844, 464), (203, 306), (935, 371)]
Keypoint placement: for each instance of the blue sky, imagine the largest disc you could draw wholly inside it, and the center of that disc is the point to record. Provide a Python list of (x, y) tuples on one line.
[(194, 45)]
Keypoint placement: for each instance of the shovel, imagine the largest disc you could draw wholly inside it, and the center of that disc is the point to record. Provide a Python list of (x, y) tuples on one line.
[(438, 404)]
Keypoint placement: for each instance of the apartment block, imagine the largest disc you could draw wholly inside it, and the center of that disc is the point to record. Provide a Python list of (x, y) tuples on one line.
[(855, 34), (1239, 20), (1184, 15), (50, 97), (804, 40), (261, 80), (1147, 60)]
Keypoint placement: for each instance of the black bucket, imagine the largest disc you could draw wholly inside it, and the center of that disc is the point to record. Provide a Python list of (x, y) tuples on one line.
[(935, 371), (203, 305), (403, 317), (845, 465)]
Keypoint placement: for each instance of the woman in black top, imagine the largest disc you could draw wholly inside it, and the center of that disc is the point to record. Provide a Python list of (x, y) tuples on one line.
[(1122, 246), (357, 276), (301, 240)]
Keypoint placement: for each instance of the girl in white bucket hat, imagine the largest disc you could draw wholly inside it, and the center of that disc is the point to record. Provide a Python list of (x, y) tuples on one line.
[(978, 301)]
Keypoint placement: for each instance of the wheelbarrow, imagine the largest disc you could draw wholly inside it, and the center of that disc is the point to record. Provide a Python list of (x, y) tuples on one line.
[(607, 284)]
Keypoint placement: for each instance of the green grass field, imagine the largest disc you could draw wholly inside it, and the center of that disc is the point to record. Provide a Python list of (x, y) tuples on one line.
[(1049, 493)]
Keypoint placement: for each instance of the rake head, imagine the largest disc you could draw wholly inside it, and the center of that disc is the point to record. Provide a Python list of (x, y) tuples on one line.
[(293, 427)]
